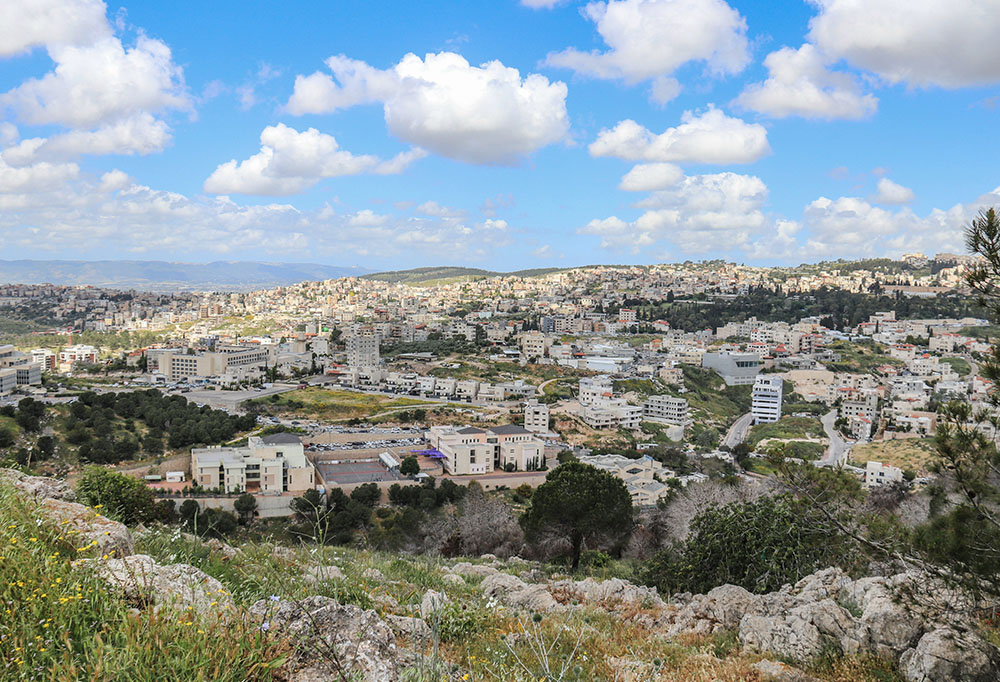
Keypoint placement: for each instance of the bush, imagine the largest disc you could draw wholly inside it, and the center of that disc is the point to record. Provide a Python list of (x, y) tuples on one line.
[(121, 497)]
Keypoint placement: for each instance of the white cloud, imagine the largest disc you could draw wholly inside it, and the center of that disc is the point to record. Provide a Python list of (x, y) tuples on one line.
[(433, 208), (647, 177), (96, 84), (651, 39), (33, 23), (290, 161), (948, 44), (800, 84), (711, 137), (367, 218), (890, 192), (34, 178), (485, 114), (140, 134), (701, 214)]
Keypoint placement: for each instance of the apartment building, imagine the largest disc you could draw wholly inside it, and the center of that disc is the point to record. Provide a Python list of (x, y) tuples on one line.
[(667, 409), (536, 416), (595, 389), (272, 465), (45, 358), (611, 413), (363, 349), (737, 369), (535, 344), (766, 399), (866, 407), (877, 474)]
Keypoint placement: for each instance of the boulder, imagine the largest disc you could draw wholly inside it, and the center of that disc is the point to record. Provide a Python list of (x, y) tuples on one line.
[(432, 603), (37, 487), (945, 655), (220, 547), (452, 579), (609, 592), (332, 641), (108, 537), (786, 636), (464, 568), (727, 604), (499, 585), (317, 573), (176, 585), (518, 594), (373, 574), (827, 583), (414, 628), (772, 671)]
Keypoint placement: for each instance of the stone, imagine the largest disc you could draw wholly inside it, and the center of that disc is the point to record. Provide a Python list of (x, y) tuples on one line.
[(789, 637), (37, 487), (728, 604), (518, 594), (332, 641), (373, 574), (464, 568), (772, 671), (609, 592), (142, 580), (452, 579), (945, 655), (414, 628), (107, 536), (892, 627), (499, 585), (432, 603), (317, 573), (220, 547)]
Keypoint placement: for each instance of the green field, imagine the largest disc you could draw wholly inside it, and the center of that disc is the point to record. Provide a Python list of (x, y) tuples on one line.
[(327, 404), (961, 366), (859, 358), (914, 454), (786, 428)]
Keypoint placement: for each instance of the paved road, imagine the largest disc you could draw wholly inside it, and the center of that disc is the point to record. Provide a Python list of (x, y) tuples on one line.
[(737, 433), (836, 453)]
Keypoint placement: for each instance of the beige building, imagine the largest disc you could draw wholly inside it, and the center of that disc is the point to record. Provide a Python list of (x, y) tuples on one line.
[(536, 416), (237, 361), (666, 409), (643, 477), (473, 451), (268, 465)]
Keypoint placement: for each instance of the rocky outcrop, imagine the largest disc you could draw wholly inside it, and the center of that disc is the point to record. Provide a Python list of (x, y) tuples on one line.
[(465, 569), (946, 654), (143, 581), (317, 573), (331, 639), (772, 671), (106, 536), (416, 629), (607, 593), (38, 487)]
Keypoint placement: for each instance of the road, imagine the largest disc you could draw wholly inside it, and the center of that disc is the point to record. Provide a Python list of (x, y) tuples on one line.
[(836, 453), (737, 433)]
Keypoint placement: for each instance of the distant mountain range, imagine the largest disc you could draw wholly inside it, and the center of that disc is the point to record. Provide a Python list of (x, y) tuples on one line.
[(167, 276), (443, 274)]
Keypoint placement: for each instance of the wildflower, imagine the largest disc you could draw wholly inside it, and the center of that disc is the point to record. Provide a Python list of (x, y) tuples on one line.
[(274, 597), (265, 626)]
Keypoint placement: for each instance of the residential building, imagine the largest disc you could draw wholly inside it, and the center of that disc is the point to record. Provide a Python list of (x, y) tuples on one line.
[(737, 369), (536, 416), (877, 473), (666, 409), (866, 407), (45, 358), (595, 389), (363, 349), (273, 464), (766, 399), (610, 413)]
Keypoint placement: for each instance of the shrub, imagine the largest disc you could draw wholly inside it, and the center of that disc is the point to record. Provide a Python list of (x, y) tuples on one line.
[(121, 497)]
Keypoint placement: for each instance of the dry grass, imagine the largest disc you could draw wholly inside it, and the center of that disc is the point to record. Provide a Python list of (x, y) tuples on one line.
[(906, 453)]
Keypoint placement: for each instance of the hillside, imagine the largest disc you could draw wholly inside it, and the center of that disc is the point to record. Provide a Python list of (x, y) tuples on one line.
[(447, 273), (168, 276)]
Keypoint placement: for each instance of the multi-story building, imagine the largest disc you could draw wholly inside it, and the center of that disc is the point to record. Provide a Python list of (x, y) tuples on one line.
[(643, 477), (8, 380), (26, 371), (737, 369), (45, 358), (867, 407), (666, 409), (472, 451), (877, 474), (273, 464), (766, 399), (72, 355), (363, 349), (244, 361), (595, 389), (610, 413), (536, 416)]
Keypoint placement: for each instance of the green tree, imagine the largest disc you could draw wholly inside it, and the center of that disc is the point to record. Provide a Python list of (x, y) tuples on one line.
[(410, 466), (581, 503), (121, 497), (246, 507)]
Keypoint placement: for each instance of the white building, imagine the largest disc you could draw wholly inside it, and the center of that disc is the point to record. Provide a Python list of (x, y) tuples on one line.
[(536, 416), (595, 389), (71, 355), (737, 369), (271, 464), (877, 473), (666, 409), (766, 406), (363, 349)]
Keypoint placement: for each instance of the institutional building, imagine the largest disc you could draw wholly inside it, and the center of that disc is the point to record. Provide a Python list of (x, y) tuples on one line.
[(268, 465), (737, 369), (473, 451)]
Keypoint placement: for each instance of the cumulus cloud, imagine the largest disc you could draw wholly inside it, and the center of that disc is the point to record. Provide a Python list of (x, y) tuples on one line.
[(890, 192), (34, 23), (38, 177), (140, 134), (542, 4), (290, 161), (948, 44), (698, 215), (801, 84), (711, 137), (484, 114), (651, 39), (648, 177), (95, 84)]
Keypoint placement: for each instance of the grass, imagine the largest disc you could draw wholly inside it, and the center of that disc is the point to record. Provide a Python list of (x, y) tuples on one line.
[(60, 623), (786, 428), (323, 403), (859, 358), (959, 365), (914, 454)]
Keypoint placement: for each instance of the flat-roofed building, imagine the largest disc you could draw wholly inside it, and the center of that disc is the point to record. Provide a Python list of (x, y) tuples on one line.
[(470, 450), (536, 416), (766, 399), (667, 409), (737, 369), (269, 465)]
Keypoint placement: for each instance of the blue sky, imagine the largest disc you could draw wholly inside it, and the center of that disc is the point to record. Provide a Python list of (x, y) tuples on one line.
[(505, 135)]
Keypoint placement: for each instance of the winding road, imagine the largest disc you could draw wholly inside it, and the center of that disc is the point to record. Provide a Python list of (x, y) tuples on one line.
[(836, 453), (737, 433)]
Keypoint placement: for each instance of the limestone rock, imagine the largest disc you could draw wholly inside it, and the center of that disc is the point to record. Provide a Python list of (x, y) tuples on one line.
[(316, 573), (373, 574), (38, 487), (944, 655), (464, 568), (452, 579), (111, 537), (432, 603), (790, 637), (227, 551), (414, 628), (329, 636), (175, 585), (772, 671)]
